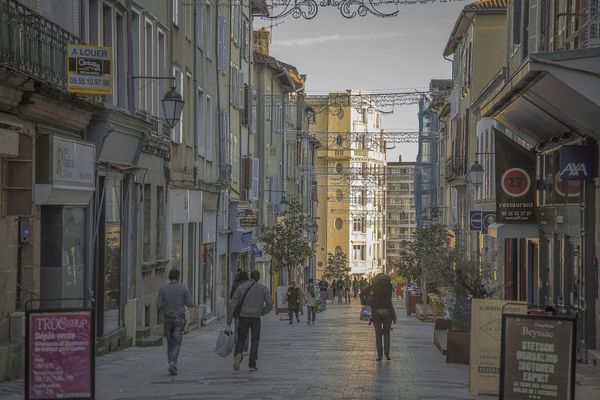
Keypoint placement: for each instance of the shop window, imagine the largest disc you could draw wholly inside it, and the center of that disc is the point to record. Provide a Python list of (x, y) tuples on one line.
[(112, 254), (177, 247), (147, 221)]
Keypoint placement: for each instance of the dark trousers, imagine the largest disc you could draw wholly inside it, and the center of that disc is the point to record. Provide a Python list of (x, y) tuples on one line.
[(249, 324), (291, 314), (311, 313), (382, 328), (174, 334)]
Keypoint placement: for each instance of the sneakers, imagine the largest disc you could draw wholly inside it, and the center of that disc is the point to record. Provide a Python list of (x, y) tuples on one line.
[(297, 320), (388, 358), (253, 369), (237, 359), (172, 368)]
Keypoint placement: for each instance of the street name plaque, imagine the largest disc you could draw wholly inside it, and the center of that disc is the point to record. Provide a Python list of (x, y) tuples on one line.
[(59, 359), (538, 357)]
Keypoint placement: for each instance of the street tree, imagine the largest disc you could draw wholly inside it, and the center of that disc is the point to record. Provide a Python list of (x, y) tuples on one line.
[(287, 241), (337, 266)]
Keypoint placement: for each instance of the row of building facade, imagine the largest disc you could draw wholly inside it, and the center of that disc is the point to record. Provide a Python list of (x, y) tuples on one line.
[(100, 198), (522, 109)]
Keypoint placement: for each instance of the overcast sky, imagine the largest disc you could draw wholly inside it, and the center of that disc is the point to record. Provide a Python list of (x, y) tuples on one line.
[(370, 53)]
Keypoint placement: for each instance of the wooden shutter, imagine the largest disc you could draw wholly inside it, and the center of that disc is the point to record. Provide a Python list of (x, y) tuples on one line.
[(532, 29)]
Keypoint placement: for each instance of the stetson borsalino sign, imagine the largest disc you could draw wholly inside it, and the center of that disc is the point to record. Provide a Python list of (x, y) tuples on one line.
[(515, 184)]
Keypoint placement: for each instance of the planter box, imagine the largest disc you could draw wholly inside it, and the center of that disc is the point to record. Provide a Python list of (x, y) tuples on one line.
[(458, 347), (413, 300)]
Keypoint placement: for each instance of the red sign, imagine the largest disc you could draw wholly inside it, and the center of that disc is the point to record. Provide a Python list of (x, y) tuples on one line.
[(516, 182), (60, 354)]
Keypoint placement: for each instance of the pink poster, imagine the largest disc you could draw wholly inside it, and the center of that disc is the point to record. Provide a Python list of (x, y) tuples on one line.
[(60, 355)]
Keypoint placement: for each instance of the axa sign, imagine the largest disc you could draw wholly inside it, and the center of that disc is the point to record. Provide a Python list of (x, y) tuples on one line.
[(577, 163)]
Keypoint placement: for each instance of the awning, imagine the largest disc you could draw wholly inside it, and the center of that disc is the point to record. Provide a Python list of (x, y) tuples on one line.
[(513, 231), (549, 95)]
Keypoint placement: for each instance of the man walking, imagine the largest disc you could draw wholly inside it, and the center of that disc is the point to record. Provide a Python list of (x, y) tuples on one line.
[(293, 300), (355, 287), (172, 299), (254, 301), (347, 287)]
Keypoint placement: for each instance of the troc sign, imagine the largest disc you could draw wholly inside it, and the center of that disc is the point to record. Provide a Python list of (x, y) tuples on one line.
[(576, 163)]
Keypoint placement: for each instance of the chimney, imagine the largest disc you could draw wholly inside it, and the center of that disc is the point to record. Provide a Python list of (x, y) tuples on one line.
[(262, 40)]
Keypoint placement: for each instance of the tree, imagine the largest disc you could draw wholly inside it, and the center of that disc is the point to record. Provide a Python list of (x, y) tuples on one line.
[(287, 240), (337, 266)]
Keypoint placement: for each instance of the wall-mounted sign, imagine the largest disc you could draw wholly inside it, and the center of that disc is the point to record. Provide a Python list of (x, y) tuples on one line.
[(538, 357), (247, 218), (59, 359), (487, 218), (475, 220), (73, 163), (576, 163), (89, 69), (486, 333), (515, 188)]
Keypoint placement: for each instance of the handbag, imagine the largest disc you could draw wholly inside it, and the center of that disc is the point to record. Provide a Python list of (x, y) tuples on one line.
[(225, 343), (365, 313), (238, 308)]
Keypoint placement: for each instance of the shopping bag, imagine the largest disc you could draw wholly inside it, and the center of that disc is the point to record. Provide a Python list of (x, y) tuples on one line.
[(365, 313), (225, 343)]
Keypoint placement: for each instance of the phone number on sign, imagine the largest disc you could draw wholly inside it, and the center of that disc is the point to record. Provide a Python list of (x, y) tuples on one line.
[(88, 81)]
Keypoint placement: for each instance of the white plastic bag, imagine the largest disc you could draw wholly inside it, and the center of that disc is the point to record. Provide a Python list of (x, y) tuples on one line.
[(225, 343)]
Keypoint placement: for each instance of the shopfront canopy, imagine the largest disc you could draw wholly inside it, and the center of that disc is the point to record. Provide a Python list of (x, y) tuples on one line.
[(513, 231), (551, 94)]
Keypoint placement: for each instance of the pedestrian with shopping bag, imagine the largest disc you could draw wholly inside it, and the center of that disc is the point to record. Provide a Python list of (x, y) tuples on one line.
[(240, 278), (172, 300), (383, 314), (250, 302)]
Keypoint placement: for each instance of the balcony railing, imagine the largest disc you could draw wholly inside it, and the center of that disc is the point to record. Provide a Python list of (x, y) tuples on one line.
[(33, 45), (456, 167)]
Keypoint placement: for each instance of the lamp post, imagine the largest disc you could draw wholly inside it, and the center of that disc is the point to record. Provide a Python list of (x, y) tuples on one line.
[(172, 102), (476, 175)]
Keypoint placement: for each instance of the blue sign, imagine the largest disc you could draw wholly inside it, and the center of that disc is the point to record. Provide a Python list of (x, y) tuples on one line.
[(475, 221), (256, 251), (576, 163), (487, 218)]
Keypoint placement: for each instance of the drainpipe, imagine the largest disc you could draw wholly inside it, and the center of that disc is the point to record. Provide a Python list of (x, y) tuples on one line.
[(195, 164), (130, 86)]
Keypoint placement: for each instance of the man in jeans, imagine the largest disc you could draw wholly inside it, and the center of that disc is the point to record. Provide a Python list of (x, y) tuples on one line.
[(173, 297), (256, 303)]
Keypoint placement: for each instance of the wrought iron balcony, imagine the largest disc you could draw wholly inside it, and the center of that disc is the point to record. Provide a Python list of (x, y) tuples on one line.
[(33, 45), (456, 167)]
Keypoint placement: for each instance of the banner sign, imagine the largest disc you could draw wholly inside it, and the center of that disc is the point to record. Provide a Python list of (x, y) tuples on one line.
[(89, 69), (538, 357), (515, 186), (576, 163), (59, 359), (486, 333)]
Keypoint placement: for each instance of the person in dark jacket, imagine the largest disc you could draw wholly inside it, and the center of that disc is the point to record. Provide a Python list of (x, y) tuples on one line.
[(383, 313), (293, 300)]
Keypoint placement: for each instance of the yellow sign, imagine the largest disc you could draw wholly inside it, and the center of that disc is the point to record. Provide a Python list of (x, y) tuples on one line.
[(486, 336), (89, 69)]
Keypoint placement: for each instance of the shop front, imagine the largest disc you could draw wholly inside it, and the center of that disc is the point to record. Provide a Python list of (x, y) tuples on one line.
[(64, 187), (552, 102)]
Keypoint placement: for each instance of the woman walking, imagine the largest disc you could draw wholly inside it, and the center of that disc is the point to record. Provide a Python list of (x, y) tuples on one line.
[(293, 299), (312, 302), (383, 313)]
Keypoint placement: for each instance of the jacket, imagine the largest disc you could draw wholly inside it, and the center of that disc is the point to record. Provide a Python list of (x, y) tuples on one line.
[(381, 298), (258, 301), (311, 298), (293, 298)]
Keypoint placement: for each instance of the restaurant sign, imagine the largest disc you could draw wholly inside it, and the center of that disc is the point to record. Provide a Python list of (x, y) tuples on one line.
[(538, 357), (515, 185), (59, 360)]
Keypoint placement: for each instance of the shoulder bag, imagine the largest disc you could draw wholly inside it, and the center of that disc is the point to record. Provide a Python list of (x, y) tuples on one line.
[(238, 308)]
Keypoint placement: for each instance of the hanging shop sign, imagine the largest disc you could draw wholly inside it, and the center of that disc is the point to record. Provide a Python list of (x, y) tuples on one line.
[(515, 188), (577, 163), (247, 218), (89, 69), (486, 333), (59, 360), (538, 357), (475, 221)]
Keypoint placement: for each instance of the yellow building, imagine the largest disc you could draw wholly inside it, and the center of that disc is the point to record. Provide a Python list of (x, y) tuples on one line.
[(350, 172)]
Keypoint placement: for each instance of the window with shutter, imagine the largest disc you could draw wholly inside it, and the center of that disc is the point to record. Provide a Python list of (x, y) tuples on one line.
[(208, 29), (240, 89), (245, 106), (594, 27), (201, 132), (532, 27), (253, 114)]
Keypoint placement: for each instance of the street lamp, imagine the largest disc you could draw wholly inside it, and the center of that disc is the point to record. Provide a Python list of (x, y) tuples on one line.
[(172, 105), (476, 175), (283, 201)]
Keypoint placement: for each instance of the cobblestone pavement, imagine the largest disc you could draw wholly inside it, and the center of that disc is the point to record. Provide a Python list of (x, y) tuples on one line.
[(334, 359)]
